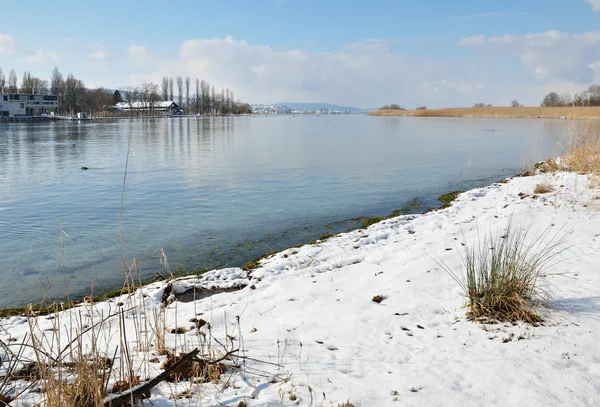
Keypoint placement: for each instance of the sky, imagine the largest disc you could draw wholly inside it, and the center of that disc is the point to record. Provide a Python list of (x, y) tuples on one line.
[(442, 53)]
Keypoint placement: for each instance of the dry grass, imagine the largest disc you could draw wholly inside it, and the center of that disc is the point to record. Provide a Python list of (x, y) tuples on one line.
[(89, 353), (543, 188), (501, 112), (583, 153), (80, 368), (503, 277)]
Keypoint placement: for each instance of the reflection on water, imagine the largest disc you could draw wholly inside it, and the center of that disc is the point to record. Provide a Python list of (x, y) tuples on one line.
[(219, 191)]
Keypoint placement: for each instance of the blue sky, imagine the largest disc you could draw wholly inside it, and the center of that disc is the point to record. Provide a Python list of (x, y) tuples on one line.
[(435, 53)]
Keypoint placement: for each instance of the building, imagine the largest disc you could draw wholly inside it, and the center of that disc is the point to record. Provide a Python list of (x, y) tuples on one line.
[(162, 108), (27, 105)]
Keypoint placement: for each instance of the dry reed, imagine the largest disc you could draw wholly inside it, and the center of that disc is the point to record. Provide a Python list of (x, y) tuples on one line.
[(583, 112)]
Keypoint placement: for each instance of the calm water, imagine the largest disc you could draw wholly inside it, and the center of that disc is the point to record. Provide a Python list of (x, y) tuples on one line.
[(217, 192)]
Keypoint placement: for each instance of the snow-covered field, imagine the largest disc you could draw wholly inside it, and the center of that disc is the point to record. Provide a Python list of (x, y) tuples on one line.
[(311, 333)]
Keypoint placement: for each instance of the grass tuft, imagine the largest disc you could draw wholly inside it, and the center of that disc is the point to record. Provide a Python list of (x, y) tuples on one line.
[(543, 188), (503, 277), (448, 198)]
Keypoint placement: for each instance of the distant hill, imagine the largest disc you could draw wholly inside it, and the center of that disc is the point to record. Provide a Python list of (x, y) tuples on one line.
[(317, 106)]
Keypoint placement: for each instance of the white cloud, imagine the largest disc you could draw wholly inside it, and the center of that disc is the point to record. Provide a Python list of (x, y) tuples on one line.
[(138, 55), (548, 56), (259, 73), (370, 76), (445, 86), (488, 15), (370, 45), (7, 43), (98, 56), (98, 60), (38, 57), (594, 3)]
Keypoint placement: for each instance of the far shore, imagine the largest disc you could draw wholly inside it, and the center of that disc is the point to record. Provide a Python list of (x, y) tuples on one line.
[(500, 112)]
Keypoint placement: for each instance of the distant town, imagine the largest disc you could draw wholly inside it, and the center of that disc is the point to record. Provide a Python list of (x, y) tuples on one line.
[(277, 109)]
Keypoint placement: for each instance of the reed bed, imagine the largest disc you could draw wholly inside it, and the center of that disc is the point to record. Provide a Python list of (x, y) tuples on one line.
[(585, 112)]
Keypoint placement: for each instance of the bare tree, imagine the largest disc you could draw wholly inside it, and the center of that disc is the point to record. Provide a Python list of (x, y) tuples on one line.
[(75, 93), (171, 89), (180, 91), (221, 101), (153, 97), (98, 100), (198, 99), (566, 99), (593, 95), (149, 96), (551, 100), (39, 86), (213, 100), (204, 89), (57, 86), (12, 82), (130, 95), (32, 85), (26, 83), (164, 87), (244, 108), (227, 102), (187, 93), (2, 81), (144, 96), (515, 103)]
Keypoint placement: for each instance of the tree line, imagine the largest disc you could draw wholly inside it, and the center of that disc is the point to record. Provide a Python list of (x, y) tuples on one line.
[(74, 97), (589, 97), (200, 97)]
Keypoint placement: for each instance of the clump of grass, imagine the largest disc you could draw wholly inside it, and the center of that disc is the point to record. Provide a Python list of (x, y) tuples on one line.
[(366, 222), (346, 404), (85, 389), (255, 263), (543, 188), (504, 276), (448, 198)]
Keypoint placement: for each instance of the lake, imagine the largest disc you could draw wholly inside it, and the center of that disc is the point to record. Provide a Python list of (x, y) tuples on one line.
[(216, 192)]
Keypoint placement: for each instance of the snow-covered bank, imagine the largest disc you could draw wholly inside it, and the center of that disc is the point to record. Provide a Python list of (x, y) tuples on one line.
[(312, 334)]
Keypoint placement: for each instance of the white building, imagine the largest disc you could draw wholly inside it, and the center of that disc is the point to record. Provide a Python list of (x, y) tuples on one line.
[(157, 108), (12, 104)]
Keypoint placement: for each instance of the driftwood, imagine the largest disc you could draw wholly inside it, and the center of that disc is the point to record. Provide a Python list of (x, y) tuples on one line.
[(141, 390)]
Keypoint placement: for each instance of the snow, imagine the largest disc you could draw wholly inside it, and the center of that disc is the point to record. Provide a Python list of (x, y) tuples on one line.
[(306, 321)]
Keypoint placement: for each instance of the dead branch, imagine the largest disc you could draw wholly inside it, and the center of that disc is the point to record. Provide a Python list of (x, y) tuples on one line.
[(139, 391)]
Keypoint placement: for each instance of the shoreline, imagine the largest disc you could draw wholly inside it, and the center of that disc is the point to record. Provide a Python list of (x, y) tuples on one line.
[(317, 300), (418, 205), (568, 113), (413, 207)]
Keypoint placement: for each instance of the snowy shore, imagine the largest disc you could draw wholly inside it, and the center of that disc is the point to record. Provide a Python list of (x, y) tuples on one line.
[(309, 332)]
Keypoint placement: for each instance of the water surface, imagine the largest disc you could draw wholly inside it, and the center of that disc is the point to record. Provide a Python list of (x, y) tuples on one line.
[(213, 192)]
